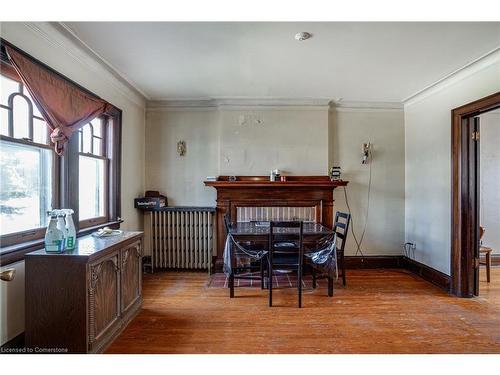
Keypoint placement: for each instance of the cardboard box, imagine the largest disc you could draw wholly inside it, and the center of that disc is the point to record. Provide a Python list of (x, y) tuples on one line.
[(150, 203)]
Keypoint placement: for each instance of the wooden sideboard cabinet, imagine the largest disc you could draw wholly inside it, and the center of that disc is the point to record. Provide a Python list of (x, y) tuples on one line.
[(81, 300)]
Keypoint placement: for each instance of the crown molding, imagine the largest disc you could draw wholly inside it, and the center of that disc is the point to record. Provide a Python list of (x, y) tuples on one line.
[(181, 103), (365, 106), (59, 37), (474, 66), (271, 103), (238, 103)]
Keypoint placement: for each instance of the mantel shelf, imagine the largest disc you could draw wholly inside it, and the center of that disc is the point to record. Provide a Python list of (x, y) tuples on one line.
[(263, 182)]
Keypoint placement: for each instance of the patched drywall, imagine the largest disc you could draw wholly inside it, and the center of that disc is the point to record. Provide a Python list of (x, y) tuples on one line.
[(231, 142), (253, 142)]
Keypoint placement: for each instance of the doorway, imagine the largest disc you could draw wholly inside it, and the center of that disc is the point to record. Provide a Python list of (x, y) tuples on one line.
[(489, 204), (465, 215)]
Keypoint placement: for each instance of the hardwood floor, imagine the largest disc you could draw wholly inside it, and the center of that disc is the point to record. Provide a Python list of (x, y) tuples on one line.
[(490, 292), (380, 311)]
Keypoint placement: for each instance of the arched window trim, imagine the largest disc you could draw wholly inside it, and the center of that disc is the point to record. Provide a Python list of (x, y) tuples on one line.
[(31, 116)]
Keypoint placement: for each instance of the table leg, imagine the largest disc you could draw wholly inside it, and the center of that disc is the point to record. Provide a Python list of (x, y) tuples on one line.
[(488, 266)]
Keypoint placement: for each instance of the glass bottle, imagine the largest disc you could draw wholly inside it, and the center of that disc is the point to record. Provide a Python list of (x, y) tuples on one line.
[(61, 225), (54, 238), (70, 230)]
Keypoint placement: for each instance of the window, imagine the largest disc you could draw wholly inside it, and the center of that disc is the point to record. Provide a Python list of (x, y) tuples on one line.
[(27, 165), (93, 170), (33, 179)]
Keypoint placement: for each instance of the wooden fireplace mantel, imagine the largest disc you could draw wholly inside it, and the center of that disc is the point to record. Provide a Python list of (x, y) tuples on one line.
[(258, 191), (263, 182)]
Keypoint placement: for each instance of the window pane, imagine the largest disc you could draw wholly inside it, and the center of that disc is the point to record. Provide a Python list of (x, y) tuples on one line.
[(97, 146), (36, 112), (87, 138), (7, 87), (25, 187), (21, 117), (97, 124), (92, 189), (39, 131), (4, 121)]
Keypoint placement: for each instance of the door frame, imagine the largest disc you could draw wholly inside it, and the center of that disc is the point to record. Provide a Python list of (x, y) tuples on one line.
[(464, 197)]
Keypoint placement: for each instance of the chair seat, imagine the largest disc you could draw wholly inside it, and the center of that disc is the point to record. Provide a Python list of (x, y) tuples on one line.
[(485, 250), (291, 245), (285, 259)]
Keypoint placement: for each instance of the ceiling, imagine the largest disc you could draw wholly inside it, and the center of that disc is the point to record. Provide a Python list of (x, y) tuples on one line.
[(357, 61)]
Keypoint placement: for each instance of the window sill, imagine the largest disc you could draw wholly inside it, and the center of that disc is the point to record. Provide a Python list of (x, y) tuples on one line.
[(15, 253)]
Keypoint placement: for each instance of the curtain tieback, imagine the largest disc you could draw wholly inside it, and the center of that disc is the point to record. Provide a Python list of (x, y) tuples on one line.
[(59, 139)]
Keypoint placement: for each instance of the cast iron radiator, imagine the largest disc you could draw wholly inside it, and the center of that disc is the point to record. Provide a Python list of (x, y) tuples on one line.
[(180, 237)]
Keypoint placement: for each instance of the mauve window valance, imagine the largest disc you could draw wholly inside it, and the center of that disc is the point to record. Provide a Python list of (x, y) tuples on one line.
[(64, 106)]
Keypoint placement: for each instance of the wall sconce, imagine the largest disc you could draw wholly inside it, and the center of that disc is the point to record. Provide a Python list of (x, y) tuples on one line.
[(181, 148), (366, 150)]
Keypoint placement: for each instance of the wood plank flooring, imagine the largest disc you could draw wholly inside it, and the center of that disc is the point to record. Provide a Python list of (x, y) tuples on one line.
[(380, 311)]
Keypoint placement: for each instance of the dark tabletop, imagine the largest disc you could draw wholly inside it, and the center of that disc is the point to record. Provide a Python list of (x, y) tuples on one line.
[(89, 245), (251, 228)]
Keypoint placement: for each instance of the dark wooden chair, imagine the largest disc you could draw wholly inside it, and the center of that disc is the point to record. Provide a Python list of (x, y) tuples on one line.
[(286, 252), (340, 228), (236, 270), (486, 251)]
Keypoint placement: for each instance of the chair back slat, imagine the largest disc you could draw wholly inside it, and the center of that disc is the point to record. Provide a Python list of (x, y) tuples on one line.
[(341, 225), (294, 237), (341, 228), (344, 215)]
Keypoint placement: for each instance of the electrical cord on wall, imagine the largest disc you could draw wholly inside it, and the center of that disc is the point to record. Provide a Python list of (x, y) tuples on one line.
[(360, 241)]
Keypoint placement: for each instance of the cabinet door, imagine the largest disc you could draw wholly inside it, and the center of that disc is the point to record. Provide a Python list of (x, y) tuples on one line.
[(104, 297), (131, 275)]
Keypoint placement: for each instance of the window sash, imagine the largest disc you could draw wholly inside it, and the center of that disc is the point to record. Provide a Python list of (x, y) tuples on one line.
[(93, 221), (32, 233)]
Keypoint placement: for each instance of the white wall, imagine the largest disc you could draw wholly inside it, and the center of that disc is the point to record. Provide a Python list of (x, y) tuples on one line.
[(428, 159), (48, 45), (299, 141), (295, 141), (349, 129), (490, 178), (231, 142), (181, 177)]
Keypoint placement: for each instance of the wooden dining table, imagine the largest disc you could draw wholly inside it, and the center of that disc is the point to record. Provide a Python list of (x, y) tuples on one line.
[(258, 232)]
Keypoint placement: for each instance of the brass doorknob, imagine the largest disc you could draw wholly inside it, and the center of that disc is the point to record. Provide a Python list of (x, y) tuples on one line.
[(8, 274)]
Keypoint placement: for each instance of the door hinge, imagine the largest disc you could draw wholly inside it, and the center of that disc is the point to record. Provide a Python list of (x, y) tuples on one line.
[(476, 262), (475, 136)]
